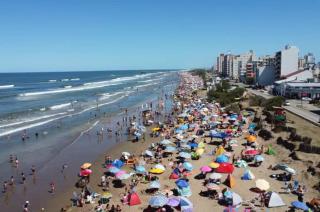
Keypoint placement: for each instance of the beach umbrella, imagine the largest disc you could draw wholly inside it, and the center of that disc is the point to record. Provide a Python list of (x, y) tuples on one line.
[(220, 151), (214, 165), (228, 194), (251, 138), (251, 152), (193, 145), (140, 169), (183, 127), (185, 191), (225, 168), (158, 201), (215, 176), (159, 166), (117, 163), (205, 169), (286, 168), (125, 154), (185, 204), (85, 172), (156, 171), (201, 145), (236, 200), (155, 129), (241, 164), (222, 159), (155, 184), (300, 205), (262, 184), (121, 172), (106, 195), (200, 151), (184, 155), (123, 176), (182, 183), (85, 165), (148, 153), (188, 166), (165, 142), (173, 201), (212, 186), (170, 149), (258, 158), (113, 169)]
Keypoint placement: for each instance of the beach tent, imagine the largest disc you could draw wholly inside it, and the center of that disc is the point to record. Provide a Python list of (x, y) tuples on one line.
[(225, 168), (270, 151), (247, 175), (185, 191), (275, 200), (300, 205), (230, 181), (220, 151), (134, 199), (182, 183), (173, 176), (236, 200)]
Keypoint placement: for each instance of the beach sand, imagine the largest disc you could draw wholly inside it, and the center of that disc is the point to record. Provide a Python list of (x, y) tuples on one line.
[(201, 203)]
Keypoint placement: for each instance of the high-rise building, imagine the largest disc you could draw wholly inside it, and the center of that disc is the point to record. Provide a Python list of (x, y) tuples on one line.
[(219, 65), (310, 60), (227, 65), (235, 67), (243, 60), (286, 61)]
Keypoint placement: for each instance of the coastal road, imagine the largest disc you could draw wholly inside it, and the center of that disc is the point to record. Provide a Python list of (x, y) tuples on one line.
[(295, 107)]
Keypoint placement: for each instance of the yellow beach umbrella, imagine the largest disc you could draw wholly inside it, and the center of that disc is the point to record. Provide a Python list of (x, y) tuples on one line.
[(214, 165), (86, 166), (156, 171), (220, 151), (201, 145), (262, 184), (156, 129), (200, 151)]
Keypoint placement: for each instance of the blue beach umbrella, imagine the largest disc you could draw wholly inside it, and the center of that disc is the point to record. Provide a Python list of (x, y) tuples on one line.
[(155, 184), (184, 155), (183, 127), (158, 201), (188, 166), (300, 205), (258, 158), (178, 131), (113, 169), (228, 194), (222, 159), (193, 145), (170, 149), (117, 163), (140, 169), (182, 183)]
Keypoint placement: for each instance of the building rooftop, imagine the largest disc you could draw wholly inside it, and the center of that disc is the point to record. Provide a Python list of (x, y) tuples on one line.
[(303, 84)]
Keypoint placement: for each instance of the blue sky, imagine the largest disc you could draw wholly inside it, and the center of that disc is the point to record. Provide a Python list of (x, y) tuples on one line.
[(148, 34)]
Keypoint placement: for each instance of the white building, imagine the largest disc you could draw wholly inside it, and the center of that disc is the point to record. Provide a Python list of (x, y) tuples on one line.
[(286, 62), (245, 58)]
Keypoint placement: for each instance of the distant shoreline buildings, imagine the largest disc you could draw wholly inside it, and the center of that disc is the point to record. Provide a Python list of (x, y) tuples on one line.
[(283, 67)]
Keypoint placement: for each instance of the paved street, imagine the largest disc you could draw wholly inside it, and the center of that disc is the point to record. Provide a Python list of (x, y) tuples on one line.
[(295, 107)]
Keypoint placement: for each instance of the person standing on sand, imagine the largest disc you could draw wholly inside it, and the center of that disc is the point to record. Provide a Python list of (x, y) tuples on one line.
[(12, 181), (5, 186), (52, 188), (33, 170), (16, 162)]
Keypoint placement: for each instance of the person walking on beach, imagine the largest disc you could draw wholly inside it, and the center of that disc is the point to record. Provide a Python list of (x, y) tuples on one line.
[(5, 186), (26, 206), (16, 162), (52, 188), (33, 170), (12, 181), (23, 178), (64, 166)]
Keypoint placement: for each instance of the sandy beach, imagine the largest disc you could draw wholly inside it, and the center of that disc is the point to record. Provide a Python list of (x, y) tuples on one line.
[(200, 203)]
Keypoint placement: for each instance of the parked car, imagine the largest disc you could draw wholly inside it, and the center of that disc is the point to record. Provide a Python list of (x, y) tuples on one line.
[(306, 99), (287, 103)]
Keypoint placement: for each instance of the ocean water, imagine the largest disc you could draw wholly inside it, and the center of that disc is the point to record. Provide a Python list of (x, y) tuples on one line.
[(62, 107), (33, 99)]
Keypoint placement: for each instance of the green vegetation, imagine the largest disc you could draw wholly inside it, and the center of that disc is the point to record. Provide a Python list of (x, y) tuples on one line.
[(223, 95), (273, 102), (268, 104)]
